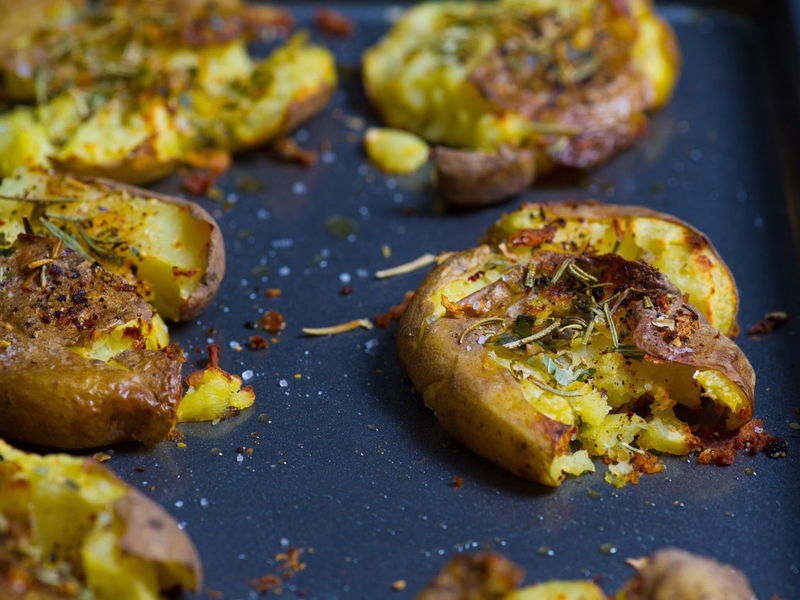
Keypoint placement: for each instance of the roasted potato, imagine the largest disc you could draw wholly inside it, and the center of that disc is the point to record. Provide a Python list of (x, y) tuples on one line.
[(684, 254), (668, 575), (83, 360), (521, 354), (70, 529), (528, 84), (170, 249), (132, 90)]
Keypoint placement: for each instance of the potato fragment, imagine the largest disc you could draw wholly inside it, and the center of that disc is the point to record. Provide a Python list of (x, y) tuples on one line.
[(394, 150), (214, 393)]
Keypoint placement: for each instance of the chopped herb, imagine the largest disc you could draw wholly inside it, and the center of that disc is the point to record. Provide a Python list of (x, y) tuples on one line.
[(629, 351), (505, 338), (533, 337), (478, 324), (523, 326), (69, 241)]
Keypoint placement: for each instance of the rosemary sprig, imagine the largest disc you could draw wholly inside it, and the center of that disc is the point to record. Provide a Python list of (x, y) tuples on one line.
[(561, 268), (69, 241), (40, 200), (612, 329), (581, 275), (629, 351), (533, 337), (478, 324), (94, 247)]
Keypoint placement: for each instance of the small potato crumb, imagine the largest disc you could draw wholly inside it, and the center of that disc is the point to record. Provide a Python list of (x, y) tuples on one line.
[(399, 585), (395, 151)]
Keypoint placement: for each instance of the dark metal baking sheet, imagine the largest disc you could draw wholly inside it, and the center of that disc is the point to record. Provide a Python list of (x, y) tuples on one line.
[(352, 467)]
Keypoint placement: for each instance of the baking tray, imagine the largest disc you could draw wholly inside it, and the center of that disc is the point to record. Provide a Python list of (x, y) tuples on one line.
[(349, 465)]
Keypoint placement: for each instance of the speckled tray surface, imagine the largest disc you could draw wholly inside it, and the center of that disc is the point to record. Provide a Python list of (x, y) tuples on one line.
[(348, 464)]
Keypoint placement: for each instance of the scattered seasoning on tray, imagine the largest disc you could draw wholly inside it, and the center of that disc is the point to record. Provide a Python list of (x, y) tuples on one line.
[(457, 482), (386, 251), (101, 456), (197, 182), (341, 227), (594, 494), (333, 23), (399, 585), (346, 290), (215, 594), (334, 329), (545, 551), (287, 149), (769, 323), (272, 322), (394, 313), (417, 263), (272, 293), (751, 438), (249, 184), (608, 549), (256, 342)]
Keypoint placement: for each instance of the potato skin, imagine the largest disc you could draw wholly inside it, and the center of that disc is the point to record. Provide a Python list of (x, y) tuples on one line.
[(474, 178), (475, 400), (52, 396), (484, 576), (215, 252)]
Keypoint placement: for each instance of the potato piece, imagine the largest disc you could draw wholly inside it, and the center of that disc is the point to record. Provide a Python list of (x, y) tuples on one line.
[(571, 82), (395, 151), (86, 530), (214, 393), (679, 575), (677, 249), (130, 91), (668, 575), (82, 362), (170, 249), (520, 354), (485, 576)]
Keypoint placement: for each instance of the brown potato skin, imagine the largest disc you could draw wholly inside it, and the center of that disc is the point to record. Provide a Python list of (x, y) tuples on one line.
[(215, 258), (473, 178), (153, 535), (593, 210), (478, 402), (51, 396), (680, 575)]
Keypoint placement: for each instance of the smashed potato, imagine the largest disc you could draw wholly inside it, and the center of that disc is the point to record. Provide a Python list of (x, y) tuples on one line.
[(132, 90), (70, 529), (521, 84), (83, 361), (170, 249), (668, 575), (395, 151), (540, 359)]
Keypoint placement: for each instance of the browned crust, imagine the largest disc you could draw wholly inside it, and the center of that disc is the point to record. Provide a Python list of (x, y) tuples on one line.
[(215, 257), (593, 210), (136, 170), (506, 430), (474, 178), (486, 575), (153, 535)]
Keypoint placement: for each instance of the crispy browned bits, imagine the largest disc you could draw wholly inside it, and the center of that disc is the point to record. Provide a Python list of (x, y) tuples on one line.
[(257, 342), (272, 322), (287, 149), (394, 313), (769, 323), (333, 23)]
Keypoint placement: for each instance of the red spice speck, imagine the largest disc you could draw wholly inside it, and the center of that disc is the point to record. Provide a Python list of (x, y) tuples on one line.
[(333, 23)]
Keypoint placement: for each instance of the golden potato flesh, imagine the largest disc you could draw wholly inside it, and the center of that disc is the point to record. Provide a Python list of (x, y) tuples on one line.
[(520, 356), (681, 252), (69, 528), (134, 90), (570, 80), (170, 249)]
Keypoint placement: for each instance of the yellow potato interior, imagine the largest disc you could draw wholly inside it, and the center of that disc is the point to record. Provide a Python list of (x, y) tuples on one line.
[(66, 510), (418, 75), (213, 395), (160, 247), (395, 151), (559, 590), (679, 253)]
